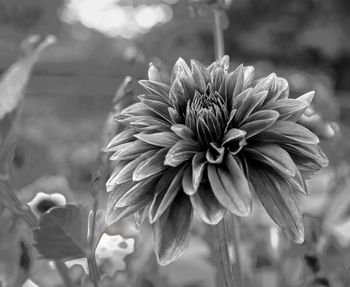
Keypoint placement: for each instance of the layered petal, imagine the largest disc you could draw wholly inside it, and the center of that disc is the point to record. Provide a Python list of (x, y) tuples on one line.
[(172, 232), (206, 205), (278, 200), (230, 186)]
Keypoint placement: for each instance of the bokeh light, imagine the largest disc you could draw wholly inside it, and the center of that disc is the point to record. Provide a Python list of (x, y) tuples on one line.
[(113, 19)]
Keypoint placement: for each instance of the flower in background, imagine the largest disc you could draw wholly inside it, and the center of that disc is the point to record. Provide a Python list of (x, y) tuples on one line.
[(110, 254), (42, 202), (206, 142)]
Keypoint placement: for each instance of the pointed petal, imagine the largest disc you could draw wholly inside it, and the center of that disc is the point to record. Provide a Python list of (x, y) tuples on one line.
[(157, 88), (182, 131), (140, 216), (121, 138), (163, 139), (275, 157), (199, 75), (160, 108), (182, 151), (206, 205), (234, 82), (199, 69), (153, 73), (289, 109), (143, 190), (307, 153), (233, 135), (278, 200), (130, 150), (251, 103), (174, 115), (248, 76), (172, 232), (180, 69), (258, 122), (151, 166), (126, 173), (230, 186), (294, 132), (187, 185), (198, 166), (165, 191), (307, 97), (114, 214)]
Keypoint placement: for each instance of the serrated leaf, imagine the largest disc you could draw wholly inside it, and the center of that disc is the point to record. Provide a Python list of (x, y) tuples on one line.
[(62, 233)]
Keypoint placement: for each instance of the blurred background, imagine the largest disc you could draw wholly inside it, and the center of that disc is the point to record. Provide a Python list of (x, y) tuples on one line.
[(99, 42)]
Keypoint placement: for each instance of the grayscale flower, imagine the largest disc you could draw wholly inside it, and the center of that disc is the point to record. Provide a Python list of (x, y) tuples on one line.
[(206, 143)]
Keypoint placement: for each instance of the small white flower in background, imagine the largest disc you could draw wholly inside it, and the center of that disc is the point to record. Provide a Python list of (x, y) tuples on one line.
[(110, 253), (42, 202)]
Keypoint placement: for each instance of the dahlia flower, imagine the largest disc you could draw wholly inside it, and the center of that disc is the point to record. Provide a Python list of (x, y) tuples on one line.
[(207, 142)]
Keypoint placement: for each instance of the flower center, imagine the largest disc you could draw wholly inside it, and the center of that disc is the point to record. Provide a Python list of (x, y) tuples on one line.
[(206, 115), (207, 101)]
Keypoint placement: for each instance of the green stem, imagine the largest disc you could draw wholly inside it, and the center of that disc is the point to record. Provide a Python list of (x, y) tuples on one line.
[(225, 262), (218, 34), (236, 238), (93, 270)]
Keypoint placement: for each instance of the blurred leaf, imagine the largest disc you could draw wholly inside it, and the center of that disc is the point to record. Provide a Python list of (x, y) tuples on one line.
[(14, 82), (12, 90), (62, 233), (15, 254)]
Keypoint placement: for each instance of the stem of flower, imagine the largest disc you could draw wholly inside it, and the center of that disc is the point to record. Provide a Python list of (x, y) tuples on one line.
[(93, 269), (232, 276), (236, 243), (225, 261), (218, 34)]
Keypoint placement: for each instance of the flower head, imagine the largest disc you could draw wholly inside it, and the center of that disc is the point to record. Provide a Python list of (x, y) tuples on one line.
[(42, 202), (207, 142)]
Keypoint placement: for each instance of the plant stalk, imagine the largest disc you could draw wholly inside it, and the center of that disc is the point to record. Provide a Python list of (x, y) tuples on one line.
[(218, 34), (236, 238), (225, 261), (93, 269), (232, 276)]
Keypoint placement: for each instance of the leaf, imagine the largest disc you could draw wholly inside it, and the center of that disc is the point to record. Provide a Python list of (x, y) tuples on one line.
[(14, 82), (124, 95), (62, 233), (12, 89)]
